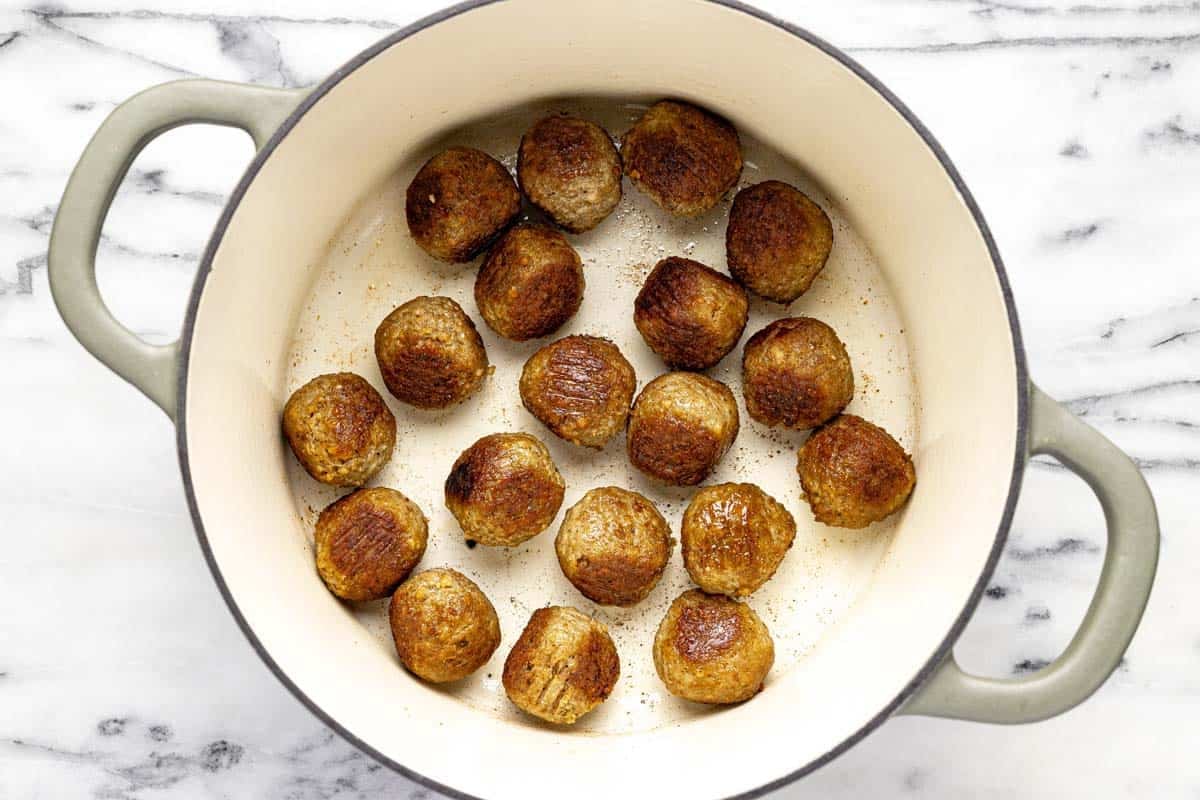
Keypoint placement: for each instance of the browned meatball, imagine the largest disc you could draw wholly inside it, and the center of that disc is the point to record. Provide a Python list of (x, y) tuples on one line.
[(580, 388), (443, 625), (530, 284), (681, 425), (562, 667), (796, 373), (777, 240), (458, 202), (368, 541), (569, 168), (854, 473), (504, 489), (684, 157), (613, 546), (340, 429), (711, 649), (689, 314), (734, 537), (429, 353)]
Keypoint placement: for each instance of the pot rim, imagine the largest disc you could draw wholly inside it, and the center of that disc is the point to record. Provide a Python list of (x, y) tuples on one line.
[(1022, 382)]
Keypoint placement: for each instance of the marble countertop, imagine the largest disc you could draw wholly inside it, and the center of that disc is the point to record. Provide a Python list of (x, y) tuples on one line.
[(122, 675)]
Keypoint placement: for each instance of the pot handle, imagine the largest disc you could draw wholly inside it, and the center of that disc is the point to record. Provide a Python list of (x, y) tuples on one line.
[(72, 257), (1115, 610)]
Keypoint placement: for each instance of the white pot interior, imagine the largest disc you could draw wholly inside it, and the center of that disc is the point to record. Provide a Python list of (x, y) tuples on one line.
[(855, 614)]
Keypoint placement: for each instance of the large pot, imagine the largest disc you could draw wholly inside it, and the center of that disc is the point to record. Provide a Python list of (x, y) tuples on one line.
[(976, 418)]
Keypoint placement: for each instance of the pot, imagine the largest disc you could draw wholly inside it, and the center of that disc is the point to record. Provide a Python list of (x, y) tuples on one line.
[(308, 255)]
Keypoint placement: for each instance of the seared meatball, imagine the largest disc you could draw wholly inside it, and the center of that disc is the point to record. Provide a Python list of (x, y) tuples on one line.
[(368, 541), (569, 168), (734, 537), (680, 426), (340, 429), (854, 473), (580, 388), (711, 649), (777, 240), (796, 373), (443, 625), (562, 667), (613, 546), (429, 353), (683, 157), (689, 314), (504, 489), (458, 202), (530, 284)]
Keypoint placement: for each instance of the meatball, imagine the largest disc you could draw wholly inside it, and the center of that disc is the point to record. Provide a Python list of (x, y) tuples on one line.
[(562, 667), (580, 388), (504, 489), (854, 473), (734, 536), (777, 240), (683, 157), (613, 546), (368, 541), (689, 314), (681, 425), (796, 373), (711, 649), (458, 202), (429, 353), (340, 429), (530, 284), (443, 625), (569, 168)]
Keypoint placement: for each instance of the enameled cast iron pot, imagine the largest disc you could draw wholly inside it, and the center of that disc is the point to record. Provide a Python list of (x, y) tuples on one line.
[(979, 418)]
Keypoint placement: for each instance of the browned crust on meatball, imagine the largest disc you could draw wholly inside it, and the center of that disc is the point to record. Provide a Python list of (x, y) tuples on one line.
[(579, 387), (368, 542), (613, 546), (796, 373), (677, 452), (777, 240), (458, 202), (734, 537), (504, 489), (530, 284), (703, 632), (854, 473), (683, 157), (563, 665), (690, 314), (681, 425), (340, 429), (570, 169), (430, 354), (711, 649), (443, 625), (616, 580)]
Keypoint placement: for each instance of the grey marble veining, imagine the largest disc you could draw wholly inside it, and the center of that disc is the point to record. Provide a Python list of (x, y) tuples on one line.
[(1075, 122)]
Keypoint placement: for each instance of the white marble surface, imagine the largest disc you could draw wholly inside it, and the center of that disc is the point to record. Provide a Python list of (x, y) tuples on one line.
[(122, 675)]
